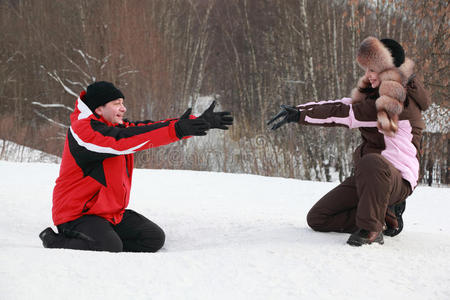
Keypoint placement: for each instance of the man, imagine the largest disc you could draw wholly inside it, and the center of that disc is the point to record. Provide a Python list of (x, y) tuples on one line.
[(93, 188)]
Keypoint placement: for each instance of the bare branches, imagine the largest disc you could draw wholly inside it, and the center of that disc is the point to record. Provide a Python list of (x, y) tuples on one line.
[(254, 54), (54, 75), (50, 120), (52, 106)]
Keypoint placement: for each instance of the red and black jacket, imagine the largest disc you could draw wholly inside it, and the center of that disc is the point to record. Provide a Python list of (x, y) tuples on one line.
[(97, 164)]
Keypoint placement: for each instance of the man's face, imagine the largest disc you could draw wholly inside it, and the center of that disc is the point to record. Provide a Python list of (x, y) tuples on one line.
[(112, 111)]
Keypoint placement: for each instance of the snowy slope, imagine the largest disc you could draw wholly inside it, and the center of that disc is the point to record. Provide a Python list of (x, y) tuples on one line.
[(11, 151), (229, 236)]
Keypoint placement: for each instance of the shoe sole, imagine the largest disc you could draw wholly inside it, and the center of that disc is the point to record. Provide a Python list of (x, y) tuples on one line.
[(398, 211), (357, 243)]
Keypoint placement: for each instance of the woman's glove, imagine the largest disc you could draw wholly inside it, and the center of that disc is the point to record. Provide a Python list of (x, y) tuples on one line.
[(288, 113)]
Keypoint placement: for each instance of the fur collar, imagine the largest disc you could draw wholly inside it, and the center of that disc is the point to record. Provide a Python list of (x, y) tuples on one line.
[(392, 91)]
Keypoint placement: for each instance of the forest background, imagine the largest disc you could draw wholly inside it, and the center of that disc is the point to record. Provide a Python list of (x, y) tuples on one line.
[(250, 55)]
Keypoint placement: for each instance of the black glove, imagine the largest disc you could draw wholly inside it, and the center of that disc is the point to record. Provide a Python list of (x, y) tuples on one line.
[(289, 114), (187, 127), (217, 119)]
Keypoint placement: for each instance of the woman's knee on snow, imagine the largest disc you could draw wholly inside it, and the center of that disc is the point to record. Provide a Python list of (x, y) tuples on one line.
[(316, 220)]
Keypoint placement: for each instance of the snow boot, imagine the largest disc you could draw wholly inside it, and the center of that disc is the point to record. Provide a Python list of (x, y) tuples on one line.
[(363, 237), (394, 220), (48, 237)]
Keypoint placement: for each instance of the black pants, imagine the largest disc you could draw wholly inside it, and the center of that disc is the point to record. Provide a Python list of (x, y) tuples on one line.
[(135, 233)]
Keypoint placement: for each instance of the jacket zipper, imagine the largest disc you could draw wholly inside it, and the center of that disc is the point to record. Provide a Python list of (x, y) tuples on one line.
[(126, 166), (84, 207), (125, 196)]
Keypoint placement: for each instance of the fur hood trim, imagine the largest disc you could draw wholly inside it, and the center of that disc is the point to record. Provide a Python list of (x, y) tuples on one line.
[(373, 55), (392, 90)]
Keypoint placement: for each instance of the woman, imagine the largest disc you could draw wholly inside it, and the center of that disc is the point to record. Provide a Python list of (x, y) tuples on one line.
[(386, 106)]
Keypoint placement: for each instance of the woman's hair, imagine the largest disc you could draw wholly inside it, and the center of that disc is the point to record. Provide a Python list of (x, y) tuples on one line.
[(372, 93)]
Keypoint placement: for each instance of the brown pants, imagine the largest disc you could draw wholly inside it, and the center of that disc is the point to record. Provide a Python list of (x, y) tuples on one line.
[(361, 201)]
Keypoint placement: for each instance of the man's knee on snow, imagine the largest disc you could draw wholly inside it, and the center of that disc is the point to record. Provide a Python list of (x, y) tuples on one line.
[(109, 242), (154, 240)]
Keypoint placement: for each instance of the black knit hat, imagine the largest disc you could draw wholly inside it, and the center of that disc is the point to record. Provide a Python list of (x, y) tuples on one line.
[(99, 93), (396, 50)]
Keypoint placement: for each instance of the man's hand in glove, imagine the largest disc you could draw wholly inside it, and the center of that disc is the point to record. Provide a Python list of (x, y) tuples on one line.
[(187, 127), (219, 120), (288, 114)]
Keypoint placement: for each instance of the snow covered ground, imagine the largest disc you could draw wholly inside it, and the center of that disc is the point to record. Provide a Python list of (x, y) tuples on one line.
[(229, 236)]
